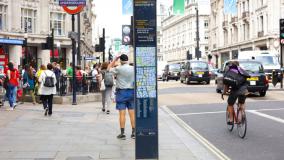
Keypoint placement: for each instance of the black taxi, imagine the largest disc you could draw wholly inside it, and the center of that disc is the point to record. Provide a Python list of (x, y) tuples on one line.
[(257, 83)]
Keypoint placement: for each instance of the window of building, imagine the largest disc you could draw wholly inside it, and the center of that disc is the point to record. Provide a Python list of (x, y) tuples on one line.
[(3, 17), (57, 22), (28, 20), (206, 24)]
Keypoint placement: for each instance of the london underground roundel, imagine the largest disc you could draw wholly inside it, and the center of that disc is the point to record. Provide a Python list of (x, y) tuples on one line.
[(73, 10)]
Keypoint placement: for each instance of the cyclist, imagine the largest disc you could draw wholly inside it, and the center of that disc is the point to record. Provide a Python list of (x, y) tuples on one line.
[(239, 92)]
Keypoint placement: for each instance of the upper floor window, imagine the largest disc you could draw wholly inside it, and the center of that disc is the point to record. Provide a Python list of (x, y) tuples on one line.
[(28, 20), (57, 22), (3, 17)]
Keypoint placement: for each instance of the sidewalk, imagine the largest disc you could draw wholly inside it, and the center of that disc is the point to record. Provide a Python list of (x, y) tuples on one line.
[(84, 132)]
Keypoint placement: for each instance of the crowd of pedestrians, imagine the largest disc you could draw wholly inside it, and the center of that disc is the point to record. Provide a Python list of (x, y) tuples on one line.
[(115, 82)]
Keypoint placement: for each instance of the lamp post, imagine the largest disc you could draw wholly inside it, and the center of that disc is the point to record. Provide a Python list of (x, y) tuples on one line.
[(58, 45), (26, 48), (197, 53)]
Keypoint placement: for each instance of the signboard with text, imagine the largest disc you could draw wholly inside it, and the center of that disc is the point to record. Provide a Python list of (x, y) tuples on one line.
[(146, 103), (72, 2)]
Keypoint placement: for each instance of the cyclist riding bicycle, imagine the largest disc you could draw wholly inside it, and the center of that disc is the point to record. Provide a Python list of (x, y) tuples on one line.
[(236, 92)]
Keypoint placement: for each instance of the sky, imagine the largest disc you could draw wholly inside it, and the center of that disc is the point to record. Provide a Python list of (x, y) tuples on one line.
[(109, 16)]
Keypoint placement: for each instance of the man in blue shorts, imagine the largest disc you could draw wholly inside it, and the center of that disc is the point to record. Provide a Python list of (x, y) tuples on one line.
[(124, 92)]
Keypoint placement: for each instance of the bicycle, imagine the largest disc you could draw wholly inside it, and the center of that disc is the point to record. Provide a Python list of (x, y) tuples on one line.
[(240, 120)]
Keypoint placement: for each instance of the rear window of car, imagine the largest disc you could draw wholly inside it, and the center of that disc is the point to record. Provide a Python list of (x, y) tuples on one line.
[(252, 67), (199, 66), (174, 67)]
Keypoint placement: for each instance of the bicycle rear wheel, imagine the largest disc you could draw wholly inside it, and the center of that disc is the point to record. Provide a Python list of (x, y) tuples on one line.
[(241, 123), (230, 127)]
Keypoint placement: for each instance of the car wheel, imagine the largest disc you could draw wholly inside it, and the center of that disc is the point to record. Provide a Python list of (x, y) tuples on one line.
[(262, 94), (181, 81), (218, 91), (208, 82), (187, 81), (167, 79)]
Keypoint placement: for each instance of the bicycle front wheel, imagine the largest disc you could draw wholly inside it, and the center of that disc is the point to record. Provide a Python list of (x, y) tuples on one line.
[(229, 126), (241, 123)]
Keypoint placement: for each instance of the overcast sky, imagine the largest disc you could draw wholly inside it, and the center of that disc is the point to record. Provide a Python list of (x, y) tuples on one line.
[(109, 16)]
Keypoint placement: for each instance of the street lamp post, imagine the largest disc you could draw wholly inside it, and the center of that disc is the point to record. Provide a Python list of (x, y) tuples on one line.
[(26, 48), (197, 53)]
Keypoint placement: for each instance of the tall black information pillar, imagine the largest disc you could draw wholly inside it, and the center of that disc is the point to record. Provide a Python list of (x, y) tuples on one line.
[(146, 102)]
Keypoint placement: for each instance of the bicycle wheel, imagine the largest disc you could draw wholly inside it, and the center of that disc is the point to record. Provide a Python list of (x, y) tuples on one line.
[(241, 123), (230, 127)]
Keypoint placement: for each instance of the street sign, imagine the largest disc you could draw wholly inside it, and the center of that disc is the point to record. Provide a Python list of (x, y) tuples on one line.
[(146, 102), (72, 6), (126, 35), (72, 2)]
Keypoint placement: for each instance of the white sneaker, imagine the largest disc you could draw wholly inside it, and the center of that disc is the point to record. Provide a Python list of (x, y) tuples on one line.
[(10, 109)]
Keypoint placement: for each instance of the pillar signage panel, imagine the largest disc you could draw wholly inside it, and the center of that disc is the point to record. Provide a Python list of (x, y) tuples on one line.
[(146, 102), (72, 2)]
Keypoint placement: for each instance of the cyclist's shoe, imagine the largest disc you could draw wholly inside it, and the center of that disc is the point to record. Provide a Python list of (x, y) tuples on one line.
[(230, 123)]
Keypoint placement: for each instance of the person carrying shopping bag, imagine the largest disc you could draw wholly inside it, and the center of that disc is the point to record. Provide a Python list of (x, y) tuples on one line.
[(28, 83)]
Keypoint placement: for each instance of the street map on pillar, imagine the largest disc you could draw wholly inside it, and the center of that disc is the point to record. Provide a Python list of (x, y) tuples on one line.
[(146, 72)]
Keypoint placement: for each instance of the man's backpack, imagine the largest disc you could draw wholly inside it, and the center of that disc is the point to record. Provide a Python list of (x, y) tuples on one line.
[(233, 79), (108, 79), (49, 80)]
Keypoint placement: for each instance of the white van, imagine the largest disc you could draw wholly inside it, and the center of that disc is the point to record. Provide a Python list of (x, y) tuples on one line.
[(160, 69), (269, 59)]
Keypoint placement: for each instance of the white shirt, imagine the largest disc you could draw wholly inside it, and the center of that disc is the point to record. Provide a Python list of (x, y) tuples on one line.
[(124, 76), (46, 90), (94, 74)]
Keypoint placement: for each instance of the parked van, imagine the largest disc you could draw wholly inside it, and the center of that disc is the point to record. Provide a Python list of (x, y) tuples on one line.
[(161, 67), (269, 60)]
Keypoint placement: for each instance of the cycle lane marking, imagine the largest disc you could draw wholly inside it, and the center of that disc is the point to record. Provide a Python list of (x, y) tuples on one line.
[(197, 136)]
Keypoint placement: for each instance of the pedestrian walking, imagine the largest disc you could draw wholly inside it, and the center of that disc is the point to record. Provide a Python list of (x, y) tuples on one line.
[(124, 92), (57, 72), (95, 80), (28, 83), (47, 89), (107, 84), (12, 82)]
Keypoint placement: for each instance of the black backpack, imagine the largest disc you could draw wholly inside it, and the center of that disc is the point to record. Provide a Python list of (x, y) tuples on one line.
[(49, 80), (233, 79)]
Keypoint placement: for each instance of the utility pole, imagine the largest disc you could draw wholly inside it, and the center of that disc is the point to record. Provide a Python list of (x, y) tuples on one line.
[(104, 56), (197, 53), (79, 39), (73, 62)]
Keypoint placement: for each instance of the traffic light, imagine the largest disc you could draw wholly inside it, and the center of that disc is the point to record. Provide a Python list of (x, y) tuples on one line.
[(281, 31)]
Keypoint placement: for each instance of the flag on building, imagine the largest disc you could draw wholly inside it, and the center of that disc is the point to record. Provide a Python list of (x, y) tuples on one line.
[(178, 7), (127, 7)]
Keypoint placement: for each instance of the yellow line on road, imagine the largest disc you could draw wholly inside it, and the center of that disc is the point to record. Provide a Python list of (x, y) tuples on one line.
[(196, 135)]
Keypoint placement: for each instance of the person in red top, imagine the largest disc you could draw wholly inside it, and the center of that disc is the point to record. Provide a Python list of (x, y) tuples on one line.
[(11, 91)]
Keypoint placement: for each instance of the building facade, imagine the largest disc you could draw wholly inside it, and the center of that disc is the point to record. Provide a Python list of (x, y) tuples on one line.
[(33, 20), (179, 33), (254, 26)]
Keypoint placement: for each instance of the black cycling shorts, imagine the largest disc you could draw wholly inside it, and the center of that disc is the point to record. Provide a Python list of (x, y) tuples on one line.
[(233, 98)]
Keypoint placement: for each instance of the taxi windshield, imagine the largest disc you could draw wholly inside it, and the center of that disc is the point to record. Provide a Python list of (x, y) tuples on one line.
[(252, 67)]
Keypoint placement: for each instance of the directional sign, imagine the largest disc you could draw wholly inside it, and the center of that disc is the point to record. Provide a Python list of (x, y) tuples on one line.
[(146, 103)]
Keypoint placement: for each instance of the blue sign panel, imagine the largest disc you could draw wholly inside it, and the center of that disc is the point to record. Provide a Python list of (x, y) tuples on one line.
[(146, 103), (72, 2), (127, 7), (230, 7), (11, 41)]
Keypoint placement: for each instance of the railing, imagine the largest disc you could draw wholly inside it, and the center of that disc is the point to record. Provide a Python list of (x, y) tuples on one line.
[(84, 85)]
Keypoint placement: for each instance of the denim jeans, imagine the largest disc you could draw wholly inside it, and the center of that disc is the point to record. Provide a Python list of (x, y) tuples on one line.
[(11, 94)]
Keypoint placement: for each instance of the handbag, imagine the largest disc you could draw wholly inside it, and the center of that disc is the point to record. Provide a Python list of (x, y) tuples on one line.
[(26, 85), (102, 86)]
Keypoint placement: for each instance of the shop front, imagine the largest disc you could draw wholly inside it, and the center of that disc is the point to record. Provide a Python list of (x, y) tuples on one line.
[(59, 57)]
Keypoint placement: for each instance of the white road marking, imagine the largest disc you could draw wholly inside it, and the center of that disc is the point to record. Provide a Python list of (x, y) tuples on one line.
[(217, 112), (267, 116), (196, 135)]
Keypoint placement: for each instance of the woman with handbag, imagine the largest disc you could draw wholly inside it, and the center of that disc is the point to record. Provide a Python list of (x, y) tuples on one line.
[(28, 83)]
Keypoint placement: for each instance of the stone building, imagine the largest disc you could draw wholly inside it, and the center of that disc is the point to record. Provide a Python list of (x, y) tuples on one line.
[(254, 25), (33, 20)]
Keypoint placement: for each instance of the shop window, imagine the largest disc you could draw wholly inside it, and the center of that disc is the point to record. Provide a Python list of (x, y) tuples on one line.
[(28, 20), (3, 17), (57, 22)]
